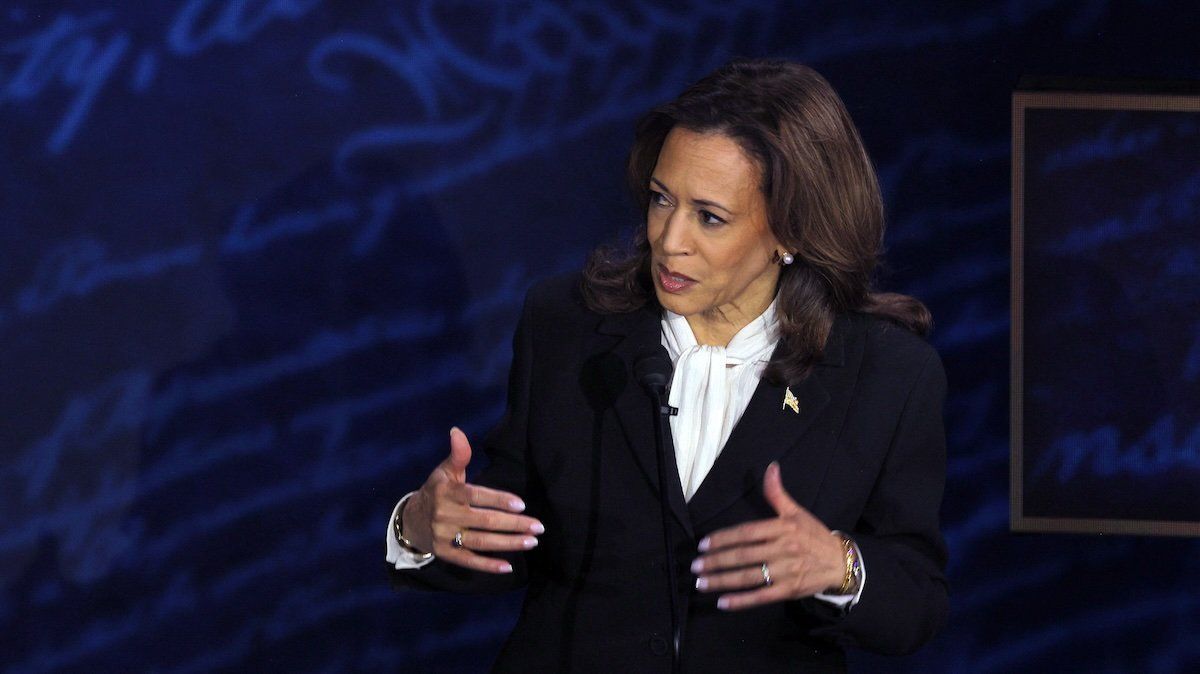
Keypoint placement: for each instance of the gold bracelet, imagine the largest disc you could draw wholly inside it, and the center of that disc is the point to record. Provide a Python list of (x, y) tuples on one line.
[(397, 526), (853, 568)]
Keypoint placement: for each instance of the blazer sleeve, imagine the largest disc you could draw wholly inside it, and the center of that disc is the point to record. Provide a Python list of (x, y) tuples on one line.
[(505, 446), (904, 602)]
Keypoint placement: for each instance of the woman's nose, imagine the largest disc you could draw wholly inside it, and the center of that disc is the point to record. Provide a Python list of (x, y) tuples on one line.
[(674, 238)]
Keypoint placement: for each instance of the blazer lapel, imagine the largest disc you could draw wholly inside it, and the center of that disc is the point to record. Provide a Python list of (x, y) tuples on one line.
[(767, 431), (637, 333)]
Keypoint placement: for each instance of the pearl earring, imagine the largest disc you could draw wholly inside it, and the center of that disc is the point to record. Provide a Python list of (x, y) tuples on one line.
[(787, 258)]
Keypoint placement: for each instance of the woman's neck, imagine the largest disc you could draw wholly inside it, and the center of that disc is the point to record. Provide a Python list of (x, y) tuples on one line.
[(717, 326)]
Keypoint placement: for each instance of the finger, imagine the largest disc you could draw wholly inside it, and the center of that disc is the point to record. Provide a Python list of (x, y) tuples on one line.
[(734, 558), (737, 601), (774, 492), (487, 541), (460, 454), (457, 517), (484, 497), (470, 560), (468, 498), (749, 532), (445, 549), (746, 578), (502, 522)]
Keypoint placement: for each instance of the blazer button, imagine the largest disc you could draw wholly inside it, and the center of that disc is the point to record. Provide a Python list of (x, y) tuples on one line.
[(658, 645)]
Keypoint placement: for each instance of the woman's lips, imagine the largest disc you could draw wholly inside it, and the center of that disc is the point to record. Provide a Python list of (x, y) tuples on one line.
[(672, 282)]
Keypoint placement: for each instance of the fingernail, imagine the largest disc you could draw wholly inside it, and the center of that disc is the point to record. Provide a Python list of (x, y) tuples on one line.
[(517, 505), (530, 542), (537, 528), (697, 566), (704, 543), (701, 583), (506, 568), (723, 603)]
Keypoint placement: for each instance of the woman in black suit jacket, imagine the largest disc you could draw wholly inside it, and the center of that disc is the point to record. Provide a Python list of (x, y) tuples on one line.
[(811, 523)]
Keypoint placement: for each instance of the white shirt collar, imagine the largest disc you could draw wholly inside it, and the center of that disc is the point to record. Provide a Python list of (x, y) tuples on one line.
[(748, 344)]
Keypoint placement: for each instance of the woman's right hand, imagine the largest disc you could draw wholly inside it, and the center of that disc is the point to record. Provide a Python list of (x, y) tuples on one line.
[(487, 518)]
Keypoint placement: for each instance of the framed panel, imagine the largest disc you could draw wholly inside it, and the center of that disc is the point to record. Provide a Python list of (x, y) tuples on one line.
[(1105, 368)]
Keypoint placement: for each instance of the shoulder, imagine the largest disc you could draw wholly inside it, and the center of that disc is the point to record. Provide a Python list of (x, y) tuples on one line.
[(557, 299), (893, 352), (555, 313), (892, 340), (558, 292)]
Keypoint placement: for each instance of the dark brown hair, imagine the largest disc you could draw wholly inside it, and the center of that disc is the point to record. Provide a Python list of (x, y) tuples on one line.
[(823, 203)]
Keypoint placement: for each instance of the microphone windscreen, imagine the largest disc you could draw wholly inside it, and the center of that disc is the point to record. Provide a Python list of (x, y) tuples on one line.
[(652, 369)]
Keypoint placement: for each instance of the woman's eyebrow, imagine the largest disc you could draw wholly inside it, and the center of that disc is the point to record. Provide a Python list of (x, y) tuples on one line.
[(699, 202)]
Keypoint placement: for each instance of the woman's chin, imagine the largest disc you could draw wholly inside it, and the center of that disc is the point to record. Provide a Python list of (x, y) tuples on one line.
[(672, 303)]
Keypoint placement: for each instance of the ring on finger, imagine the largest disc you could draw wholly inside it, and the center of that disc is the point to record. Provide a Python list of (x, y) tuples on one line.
[(458, 542), (766, 574)]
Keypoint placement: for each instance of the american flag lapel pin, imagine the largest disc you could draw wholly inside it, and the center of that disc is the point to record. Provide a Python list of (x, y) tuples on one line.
[(789, 400)]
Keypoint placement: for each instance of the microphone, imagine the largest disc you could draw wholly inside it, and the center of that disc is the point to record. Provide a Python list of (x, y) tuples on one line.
[(652, 369), (653, 372)]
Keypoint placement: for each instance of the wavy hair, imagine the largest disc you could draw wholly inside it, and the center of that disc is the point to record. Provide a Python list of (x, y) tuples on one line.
[(823, 204)]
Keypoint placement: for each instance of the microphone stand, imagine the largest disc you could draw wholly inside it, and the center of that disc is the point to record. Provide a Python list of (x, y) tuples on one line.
[(661, 412)]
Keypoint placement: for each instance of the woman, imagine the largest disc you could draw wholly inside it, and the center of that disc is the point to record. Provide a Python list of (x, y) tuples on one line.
[(808, 449)]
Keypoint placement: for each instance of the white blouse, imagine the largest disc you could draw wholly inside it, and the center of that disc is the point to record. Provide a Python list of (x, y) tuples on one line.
[(712, 386)]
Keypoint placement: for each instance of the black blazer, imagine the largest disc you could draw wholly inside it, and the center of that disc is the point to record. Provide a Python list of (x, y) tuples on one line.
[(866, 455)]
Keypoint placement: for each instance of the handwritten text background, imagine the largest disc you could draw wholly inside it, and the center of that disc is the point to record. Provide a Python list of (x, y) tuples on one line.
[(257, 257)]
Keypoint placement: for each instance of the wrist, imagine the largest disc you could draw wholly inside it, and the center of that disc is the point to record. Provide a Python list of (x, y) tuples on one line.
[(850, 567), (399, 527), (409, 507)]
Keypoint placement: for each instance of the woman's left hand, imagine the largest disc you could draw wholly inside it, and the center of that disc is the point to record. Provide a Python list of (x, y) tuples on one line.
[(801, 555)]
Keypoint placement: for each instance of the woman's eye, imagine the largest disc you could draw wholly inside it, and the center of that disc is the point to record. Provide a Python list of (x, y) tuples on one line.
[(710, 220), (659, 199)]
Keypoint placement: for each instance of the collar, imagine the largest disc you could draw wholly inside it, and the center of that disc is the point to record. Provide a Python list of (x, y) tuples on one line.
[(646, 322), (754, 342)]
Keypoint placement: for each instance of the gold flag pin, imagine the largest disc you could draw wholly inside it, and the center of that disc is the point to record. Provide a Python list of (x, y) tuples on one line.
[(789, 400)]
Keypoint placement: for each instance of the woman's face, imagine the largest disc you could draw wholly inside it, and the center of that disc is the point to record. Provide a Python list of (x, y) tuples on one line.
[(711, 247)]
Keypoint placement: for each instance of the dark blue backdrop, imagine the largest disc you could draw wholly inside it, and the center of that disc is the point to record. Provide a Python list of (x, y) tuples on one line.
[(257, 257)]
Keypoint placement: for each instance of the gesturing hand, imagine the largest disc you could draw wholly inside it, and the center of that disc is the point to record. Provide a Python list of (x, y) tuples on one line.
[(801, 554), (483, 519)]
